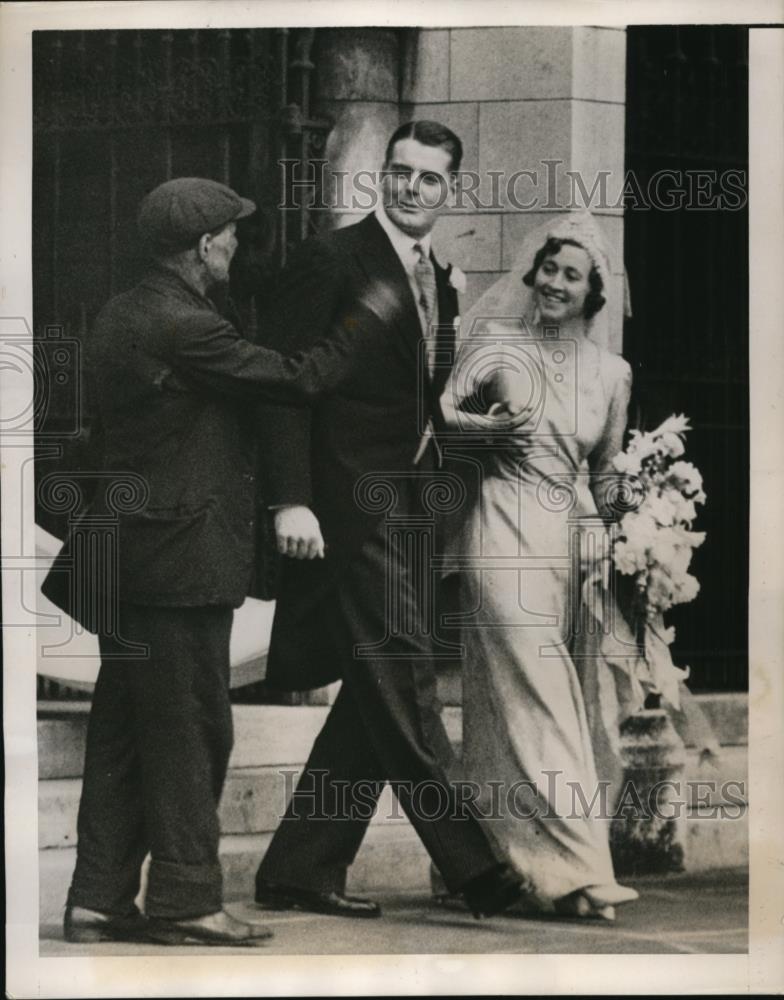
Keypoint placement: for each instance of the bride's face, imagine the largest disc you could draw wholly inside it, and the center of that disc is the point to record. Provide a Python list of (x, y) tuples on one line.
[(561, 284)]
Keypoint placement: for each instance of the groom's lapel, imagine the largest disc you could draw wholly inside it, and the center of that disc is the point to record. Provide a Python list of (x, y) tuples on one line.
[(390, 295), (387, 283)]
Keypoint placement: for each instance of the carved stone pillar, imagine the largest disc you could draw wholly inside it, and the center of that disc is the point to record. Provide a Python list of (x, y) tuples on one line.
[(359, 89)]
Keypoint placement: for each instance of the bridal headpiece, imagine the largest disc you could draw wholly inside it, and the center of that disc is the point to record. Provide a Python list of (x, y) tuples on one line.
[(582, 228), (509, 300)]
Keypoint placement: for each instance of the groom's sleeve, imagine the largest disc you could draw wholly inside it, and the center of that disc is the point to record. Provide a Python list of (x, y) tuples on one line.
[(307, 298)]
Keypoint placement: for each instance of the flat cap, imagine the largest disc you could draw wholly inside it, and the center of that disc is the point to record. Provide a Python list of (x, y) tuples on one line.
[(174, 215)]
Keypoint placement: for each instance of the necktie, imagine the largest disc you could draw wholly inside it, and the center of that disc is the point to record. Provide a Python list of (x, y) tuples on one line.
[(425, 277)]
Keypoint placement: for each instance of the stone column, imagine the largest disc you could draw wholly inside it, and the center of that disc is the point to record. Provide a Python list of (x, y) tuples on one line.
[(359, 88)]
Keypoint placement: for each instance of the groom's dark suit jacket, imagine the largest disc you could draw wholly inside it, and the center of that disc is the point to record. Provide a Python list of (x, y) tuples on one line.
[(372, 425)]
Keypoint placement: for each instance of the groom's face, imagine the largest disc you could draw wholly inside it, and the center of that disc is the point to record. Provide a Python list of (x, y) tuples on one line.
[(416, 185)]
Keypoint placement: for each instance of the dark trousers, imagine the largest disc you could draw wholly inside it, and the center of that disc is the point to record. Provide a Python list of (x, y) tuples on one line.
[(385, 725), (158, 745)]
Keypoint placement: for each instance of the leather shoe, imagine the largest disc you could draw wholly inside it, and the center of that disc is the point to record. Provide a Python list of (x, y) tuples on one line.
[(83, 926), (336, 904), (493, 892), (217, 929)]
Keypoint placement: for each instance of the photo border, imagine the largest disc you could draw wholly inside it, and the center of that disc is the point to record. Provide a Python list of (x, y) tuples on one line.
[(253, 975)]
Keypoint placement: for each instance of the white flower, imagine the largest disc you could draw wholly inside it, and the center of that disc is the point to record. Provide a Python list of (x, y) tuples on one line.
[(695, 538), (691, 539), (664, 549), (684, 476), (457, 279), (629, 464), (676, 424), (683, 510), (643, 445), (688, 588), (670, 444), (687, 511), (639, 530), (661, 509), (679, 563), (661, 590), (628, 560)]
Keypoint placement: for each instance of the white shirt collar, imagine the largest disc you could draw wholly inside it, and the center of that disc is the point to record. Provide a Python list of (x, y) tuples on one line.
[(402, 242)]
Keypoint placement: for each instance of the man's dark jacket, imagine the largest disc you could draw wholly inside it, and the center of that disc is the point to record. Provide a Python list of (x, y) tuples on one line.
[(372, 427), (173, 384)]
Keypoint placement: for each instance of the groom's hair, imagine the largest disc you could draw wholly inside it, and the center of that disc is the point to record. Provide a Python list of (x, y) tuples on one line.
[(429, 134)]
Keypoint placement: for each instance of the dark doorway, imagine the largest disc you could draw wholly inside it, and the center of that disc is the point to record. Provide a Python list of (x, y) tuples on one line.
[(687, 112)]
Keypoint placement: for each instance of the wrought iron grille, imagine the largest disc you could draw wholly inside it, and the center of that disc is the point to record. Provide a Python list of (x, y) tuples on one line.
[(116, 112)]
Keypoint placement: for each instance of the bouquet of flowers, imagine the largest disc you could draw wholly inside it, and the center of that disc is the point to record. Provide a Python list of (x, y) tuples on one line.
[(654, 540), (623, 650), (652, 548)]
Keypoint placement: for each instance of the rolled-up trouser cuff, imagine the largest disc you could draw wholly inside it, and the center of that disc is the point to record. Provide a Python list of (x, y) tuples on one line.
[(95, 896), (179, 891)]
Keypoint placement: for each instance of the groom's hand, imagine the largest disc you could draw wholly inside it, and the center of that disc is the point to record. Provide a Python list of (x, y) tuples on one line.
[(298, 533)]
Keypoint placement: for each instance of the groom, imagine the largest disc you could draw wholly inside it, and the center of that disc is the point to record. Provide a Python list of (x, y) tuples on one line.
[(380, 279)]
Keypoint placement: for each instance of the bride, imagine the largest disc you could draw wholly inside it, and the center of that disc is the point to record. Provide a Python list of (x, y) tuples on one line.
[(543, 406)]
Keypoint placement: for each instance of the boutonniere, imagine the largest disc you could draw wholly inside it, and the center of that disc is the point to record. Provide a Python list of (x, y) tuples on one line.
[(457, 279)]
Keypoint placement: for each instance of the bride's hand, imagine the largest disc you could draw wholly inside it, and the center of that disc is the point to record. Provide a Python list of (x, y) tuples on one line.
[(508, 394), (507, 409)]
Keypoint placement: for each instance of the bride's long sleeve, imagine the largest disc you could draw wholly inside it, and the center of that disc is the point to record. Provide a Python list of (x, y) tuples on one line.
[(605, 480)]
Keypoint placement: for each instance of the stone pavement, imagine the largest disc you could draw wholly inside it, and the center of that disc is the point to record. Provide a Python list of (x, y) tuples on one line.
[(694, 913)]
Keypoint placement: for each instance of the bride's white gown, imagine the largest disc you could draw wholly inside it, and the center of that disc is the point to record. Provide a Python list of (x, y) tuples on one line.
[(524, 719)]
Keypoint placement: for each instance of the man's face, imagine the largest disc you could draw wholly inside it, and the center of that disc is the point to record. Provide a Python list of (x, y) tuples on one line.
[(217, 252), (416, 186)]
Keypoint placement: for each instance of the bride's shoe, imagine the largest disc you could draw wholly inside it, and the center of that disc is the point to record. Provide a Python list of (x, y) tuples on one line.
[(579, 904), (610, 895), (595, 902)]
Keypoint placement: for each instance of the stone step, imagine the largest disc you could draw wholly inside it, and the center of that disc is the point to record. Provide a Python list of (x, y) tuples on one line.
[(272, 740), (264, 735), (278, 734), (725, 781), (255, 798), (391, 859), (716, 841), (271, 751), (728, 715)]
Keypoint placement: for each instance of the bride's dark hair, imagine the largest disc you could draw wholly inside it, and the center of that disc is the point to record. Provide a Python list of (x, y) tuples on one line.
[(594, 300)]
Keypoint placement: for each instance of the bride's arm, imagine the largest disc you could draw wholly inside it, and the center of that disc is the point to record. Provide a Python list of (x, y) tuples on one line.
[(484, 386), (605, 480), (464, 390)]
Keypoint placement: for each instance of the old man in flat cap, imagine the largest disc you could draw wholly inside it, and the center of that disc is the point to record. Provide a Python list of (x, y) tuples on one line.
[(172, 377)]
